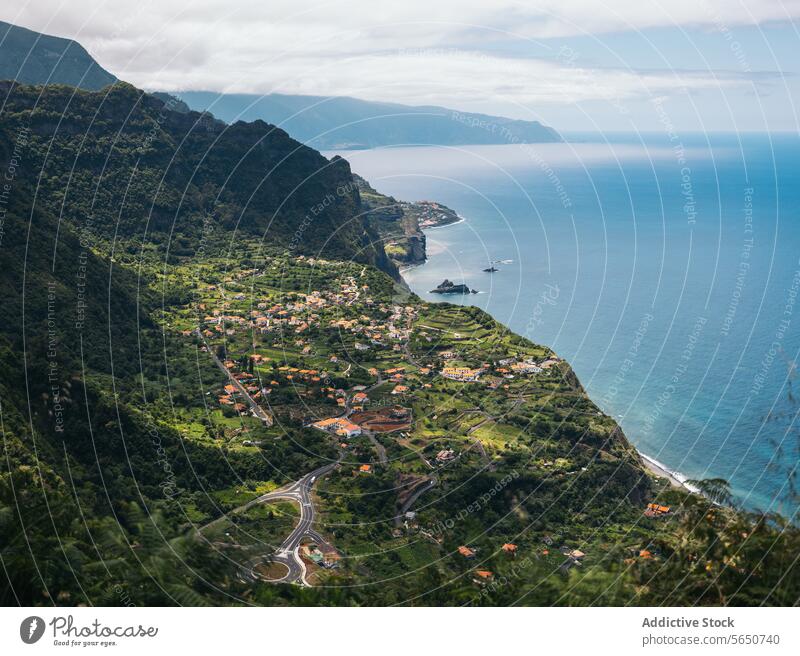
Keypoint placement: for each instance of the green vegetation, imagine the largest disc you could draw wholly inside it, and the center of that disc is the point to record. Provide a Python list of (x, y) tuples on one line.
[(150, 260)]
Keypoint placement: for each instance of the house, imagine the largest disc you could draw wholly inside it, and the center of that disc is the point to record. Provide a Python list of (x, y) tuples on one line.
[(656, 510), (338, 425), (326, 424), (462, 374), (361, 398), (466, 552), (576, 554), (483, 575), (525, 368), (348, 429), (400, 389), (445, 455), (230, 389), (365, 469), (510, 549)]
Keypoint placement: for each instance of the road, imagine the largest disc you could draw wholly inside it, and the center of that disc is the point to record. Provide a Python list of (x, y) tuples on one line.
[(421, 488), (256, 409), (382, 457), (288, 553)]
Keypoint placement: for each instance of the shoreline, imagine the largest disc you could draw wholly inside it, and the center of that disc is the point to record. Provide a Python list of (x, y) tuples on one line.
[(652, 465), (461, 219), (408, 267), (660, 471)]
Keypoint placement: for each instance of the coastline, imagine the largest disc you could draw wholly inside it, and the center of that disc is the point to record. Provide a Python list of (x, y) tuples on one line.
[(408, 267), (461, 219), (660, 471), (652, 465)]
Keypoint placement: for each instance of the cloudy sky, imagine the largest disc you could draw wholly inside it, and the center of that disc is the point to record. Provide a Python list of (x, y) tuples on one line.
[(574, 64)]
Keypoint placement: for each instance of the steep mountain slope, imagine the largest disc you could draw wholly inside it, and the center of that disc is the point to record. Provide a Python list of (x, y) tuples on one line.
[(341, 122), (142, 171), (33, 58), (100, 192)]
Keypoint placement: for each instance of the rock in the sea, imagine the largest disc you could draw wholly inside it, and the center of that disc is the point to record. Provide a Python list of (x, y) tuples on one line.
[(448, 287)]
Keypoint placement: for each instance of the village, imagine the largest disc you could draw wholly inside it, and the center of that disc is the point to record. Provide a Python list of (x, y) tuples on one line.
[(385, 330), (420, 393)]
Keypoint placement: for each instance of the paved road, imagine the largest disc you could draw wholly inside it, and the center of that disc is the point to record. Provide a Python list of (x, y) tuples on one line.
[(289, 552), (421, 488), (382, 457), (256, 409)]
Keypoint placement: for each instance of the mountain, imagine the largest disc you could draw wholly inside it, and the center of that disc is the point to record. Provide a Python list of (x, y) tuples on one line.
[(322, 122), (158, 268), (33, 58), (143, 171), (104, 192), (337, 122)]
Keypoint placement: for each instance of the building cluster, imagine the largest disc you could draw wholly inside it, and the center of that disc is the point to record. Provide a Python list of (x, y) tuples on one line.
[(656, 510), (507, 367), (461, 374), (340, 426), (232, 393)]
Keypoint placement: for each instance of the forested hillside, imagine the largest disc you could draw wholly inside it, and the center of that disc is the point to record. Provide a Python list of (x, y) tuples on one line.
[(186, 308)]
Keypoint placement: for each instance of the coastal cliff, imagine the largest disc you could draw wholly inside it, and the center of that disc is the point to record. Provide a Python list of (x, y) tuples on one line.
[(400, 224)]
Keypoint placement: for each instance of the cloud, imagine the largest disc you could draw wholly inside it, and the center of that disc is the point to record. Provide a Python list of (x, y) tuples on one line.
[(432, 51)]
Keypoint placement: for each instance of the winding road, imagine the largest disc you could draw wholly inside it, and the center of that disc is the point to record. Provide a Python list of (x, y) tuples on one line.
[(423, 486), (288, 553)]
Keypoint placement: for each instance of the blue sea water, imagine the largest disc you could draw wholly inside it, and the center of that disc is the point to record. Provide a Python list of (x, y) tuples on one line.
[(664, 268)]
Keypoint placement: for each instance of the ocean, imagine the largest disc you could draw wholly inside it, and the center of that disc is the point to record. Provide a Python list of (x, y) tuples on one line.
[(664, 267)]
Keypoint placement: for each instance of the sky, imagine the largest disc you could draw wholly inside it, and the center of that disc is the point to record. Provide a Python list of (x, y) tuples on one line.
[(648, 65)]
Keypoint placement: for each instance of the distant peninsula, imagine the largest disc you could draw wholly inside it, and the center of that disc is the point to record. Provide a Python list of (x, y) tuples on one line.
[(342, 123)]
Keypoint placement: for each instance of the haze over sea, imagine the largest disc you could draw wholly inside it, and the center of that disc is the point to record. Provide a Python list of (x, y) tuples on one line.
[(664, 268)]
